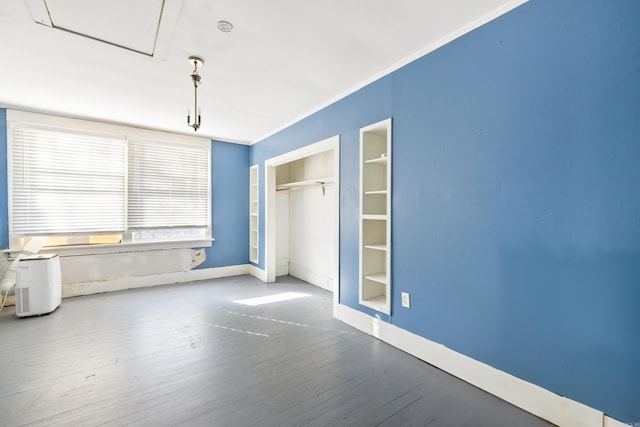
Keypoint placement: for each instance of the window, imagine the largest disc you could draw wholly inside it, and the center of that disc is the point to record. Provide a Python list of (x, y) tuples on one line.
[(77, 186), (168, 191)]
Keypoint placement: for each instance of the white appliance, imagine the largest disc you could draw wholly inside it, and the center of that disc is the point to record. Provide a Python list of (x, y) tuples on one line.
[(38, 285)]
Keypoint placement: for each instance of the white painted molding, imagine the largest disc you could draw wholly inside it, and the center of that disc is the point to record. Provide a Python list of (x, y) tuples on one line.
[(95, 287), (88, 288), (448, 38), (541, 402), (258, 273), (305, 151), (51, 120), (331, 143), (611, 422), (318, 280)]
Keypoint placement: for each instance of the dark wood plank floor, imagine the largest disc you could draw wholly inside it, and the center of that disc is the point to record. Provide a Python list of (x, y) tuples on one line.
[(189, 355)]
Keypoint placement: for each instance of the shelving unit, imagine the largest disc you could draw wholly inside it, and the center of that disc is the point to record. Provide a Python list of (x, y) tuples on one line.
[(253, 214), (375, 216)]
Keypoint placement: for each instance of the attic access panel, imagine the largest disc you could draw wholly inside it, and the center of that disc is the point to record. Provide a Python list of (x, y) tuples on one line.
[(143, 26)]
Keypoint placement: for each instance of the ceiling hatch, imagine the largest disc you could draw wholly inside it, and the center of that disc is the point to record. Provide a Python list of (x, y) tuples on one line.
[(144, 26)]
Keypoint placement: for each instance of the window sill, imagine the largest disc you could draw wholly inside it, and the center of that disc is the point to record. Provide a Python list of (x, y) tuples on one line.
[(119, 248)]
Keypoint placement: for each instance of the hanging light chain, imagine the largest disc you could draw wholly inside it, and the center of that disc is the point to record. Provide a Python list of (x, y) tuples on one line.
[(196, 79)]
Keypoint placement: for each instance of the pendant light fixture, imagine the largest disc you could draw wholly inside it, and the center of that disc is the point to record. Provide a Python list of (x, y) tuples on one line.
[(195, 78)]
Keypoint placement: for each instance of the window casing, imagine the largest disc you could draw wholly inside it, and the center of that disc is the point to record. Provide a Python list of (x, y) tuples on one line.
[(102, 185)]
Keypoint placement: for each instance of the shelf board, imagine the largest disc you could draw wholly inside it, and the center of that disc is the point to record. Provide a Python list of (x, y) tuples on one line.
[(377, 277), (374, 217), (377, 161), (376, 192), (307, 183), (378, 303), (377, 247)]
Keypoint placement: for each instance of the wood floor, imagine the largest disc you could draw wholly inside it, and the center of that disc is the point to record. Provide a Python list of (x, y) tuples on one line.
[(189, 355)]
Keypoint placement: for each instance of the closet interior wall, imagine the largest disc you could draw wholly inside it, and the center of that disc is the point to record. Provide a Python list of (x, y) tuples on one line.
[(306, 218)]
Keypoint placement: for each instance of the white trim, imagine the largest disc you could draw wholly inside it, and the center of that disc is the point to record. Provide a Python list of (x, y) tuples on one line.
[(269, 233), (88, 125), (88, 288), (306, 151), (33, 110), (331, 143), (497, 12), (116, 249), (611, 422), (543, 403), (258, 273), (301, 273)]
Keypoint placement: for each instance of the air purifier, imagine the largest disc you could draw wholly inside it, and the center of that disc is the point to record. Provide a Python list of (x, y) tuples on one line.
[(38, 285)]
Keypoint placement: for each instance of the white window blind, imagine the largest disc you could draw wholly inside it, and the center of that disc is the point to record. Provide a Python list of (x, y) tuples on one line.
[(66, 183), (80, 183), (168, 186)]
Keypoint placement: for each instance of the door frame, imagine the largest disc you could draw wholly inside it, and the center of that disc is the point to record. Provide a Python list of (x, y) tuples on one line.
[(332, 143)]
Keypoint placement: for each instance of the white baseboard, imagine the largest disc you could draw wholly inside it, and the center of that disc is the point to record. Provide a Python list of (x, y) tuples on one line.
[(88, 288), (611, 422), (258, 273), (543, 403), (319, 280)]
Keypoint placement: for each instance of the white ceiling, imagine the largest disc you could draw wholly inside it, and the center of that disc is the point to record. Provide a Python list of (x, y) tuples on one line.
[(283, 60)]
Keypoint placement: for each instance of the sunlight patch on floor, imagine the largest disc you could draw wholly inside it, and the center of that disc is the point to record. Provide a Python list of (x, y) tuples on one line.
[(285, 296)]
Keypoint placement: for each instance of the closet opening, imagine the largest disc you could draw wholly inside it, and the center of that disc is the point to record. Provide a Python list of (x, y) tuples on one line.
[(302, 215)]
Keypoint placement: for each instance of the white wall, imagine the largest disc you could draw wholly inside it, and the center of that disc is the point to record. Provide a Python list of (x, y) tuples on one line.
[(311, 246), (305, 221)]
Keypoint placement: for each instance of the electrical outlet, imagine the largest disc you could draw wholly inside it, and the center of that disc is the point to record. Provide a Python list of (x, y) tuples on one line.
[(406, 301)]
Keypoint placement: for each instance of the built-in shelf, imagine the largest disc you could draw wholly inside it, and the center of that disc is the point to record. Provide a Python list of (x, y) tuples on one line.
[(253, 214), (306, 183), (377, 277), (378, 303), (377, 247), (375, 216)]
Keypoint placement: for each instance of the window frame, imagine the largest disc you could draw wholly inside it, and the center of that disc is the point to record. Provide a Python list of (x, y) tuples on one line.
[(56, 123)]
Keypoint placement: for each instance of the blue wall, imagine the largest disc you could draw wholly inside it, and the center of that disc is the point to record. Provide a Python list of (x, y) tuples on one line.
[(229, 205), (229, 201), (516, 208)]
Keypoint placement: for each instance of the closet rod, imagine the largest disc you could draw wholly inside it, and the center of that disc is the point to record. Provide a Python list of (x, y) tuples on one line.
[(303, 185)]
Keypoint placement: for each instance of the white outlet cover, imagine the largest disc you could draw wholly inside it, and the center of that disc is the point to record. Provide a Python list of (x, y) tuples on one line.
[(406, 301)]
